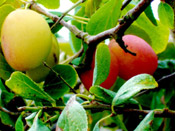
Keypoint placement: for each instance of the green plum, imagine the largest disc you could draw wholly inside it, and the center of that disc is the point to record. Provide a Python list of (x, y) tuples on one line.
[(39, 74), (26, 39)]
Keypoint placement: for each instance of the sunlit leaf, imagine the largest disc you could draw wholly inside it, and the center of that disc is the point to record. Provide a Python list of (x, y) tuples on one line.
[(149, 13), (23, 86), (2, 1), (50, 4), (73, 117), (102, 64), (133, 86), (166, 14), (103, 18), (19, 126)]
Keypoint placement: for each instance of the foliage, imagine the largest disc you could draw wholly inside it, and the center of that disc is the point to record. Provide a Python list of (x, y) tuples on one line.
[(61, 102)]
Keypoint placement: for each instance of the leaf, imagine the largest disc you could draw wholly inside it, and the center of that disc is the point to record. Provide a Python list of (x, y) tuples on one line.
[(38, 125), (103, 18), (55, 86), (91, 6), (102, 64), (5, 96), (29, 119), (6, 119), (149, 13), (75, 42), (51, 22), (5, 10), (145, 124), (65, 47), (102, 94), (73, 1), (166, 14), (23, 86), (14, 3), (73, 117), (169, 52), (158, 35), (2, 1), (5, 69), (19, 126), (133, 86), (50, 4)]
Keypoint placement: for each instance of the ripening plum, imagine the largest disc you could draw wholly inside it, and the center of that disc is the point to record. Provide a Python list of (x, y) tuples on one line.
[(145, 61), (25, 39)]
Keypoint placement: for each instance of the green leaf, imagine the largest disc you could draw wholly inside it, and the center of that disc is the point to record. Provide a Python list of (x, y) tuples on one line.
[(158, 35), (149, 13), (14, 3), (145, 124), (5, 10), (102, 94), (29, 119), (103, 18), (73, 117), (6, 119), (75, 42), (55, 86), (51, 22), (19, 126), (73, 1), (5, 69), (91, 6), (102, 64), (132, 87), (2, 1), (169, 52), (166, 14), (38, 125), (23, 86), (5, 96), (50, 4)]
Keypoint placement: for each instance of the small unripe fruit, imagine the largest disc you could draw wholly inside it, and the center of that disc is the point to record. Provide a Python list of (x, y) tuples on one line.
[(40, 73), (145, 60), (26, 39), (87, 76)]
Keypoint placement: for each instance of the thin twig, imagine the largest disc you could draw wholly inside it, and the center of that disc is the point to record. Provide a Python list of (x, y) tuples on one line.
[(158, 113), (166, 77), (60, 77), (9, 112), (65, 13), (125, 3)]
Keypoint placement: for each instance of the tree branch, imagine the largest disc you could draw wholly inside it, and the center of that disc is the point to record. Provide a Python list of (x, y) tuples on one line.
[(158, 113)]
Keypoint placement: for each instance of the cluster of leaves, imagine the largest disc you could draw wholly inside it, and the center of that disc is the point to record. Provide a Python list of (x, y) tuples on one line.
[(25, 104)]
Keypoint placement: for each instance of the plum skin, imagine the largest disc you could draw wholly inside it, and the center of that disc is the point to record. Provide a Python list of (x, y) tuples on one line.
[(26, 39)]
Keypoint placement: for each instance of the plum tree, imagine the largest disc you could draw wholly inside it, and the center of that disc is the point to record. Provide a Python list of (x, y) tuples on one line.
[(39, 73), (145, 61), (87, 76), (26, 39)]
